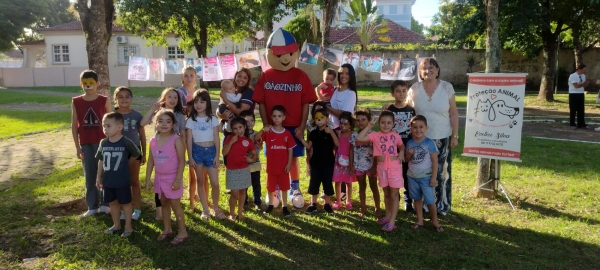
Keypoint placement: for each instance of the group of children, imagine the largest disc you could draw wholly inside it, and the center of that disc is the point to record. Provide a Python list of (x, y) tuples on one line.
[(112, 147)]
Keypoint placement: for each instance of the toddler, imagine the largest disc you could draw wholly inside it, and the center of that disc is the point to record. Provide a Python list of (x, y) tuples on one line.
[(227, 87), (325, 89)]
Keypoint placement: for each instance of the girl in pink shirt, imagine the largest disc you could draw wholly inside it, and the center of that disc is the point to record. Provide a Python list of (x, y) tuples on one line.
[(389, 151), (167, 155)]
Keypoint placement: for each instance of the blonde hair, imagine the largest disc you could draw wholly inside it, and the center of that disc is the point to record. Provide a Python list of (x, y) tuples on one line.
[(184, 70)]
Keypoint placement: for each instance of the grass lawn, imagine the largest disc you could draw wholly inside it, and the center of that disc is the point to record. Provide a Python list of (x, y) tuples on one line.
[(555, 226), (16, 123)]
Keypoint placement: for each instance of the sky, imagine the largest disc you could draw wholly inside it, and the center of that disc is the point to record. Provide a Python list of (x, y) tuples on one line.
[(423, 10)]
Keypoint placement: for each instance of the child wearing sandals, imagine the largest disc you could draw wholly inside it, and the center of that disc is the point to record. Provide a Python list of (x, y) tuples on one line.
[(387, 146), (113, 171), (422, 157), (363, 162), (203, 142), (236, 147), (167, 155), (343, 172)]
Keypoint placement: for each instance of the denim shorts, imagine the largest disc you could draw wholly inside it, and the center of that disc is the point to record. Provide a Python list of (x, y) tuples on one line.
[(204, 155), (419, 188)]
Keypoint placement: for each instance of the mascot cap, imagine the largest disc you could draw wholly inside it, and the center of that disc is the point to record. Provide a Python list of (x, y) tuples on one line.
[(282, 42)]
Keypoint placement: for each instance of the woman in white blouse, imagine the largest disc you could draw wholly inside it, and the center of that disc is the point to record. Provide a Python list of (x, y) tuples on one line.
[(344, 98), (434, 99)]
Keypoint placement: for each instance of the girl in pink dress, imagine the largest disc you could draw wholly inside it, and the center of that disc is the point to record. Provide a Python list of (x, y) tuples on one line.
[(167, 155), (343, 171)]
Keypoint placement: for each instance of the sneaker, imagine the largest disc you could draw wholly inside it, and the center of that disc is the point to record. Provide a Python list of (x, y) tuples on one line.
[(349, 206), (90, 212), (269, 210), (328, 209), (257, 208), (311, 209), (336, 206), (104, 209), (286, 212), (136, 214)]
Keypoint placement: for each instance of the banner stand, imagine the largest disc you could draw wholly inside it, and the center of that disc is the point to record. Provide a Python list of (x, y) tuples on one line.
[(497, 183)]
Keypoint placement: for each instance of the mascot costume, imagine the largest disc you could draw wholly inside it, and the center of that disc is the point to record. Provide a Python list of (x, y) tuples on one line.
[(286, 85)]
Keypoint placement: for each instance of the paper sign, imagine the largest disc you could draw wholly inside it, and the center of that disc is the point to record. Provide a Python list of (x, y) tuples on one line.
[(228, 66), (309, 54), (211, 70), (138, 69), (248, 59)]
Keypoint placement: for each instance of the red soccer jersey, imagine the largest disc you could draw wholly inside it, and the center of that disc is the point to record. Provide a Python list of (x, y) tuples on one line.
[(278, 144), (236, 158), (291, 89)]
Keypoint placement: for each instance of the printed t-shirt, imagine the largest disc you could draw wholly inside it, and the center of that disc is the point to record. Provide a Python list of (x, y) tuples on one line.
[(202, 130), (363, 153), (385, 144), (89, 118), (322, 145), (402, 118), (278, 144), (291, 89), (236, 158), (115, 161), (131, 126), (327, 92), (419, 165)]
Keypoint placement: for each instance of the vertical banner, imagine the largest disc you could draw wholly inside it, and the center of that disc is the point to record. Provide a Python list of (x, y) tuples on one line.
[(264, 64), (228, 66), (197, 64), (495, 115), (351, 58), (156, 72), (309, 53), (408, 69), (138, 69), (371, 63), (174, 66), (332, 56), (248, 59), (211, 71)]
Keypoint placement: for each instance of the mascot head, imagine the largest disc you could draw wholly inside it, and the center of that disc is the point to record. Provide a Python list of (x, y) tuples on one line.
[(282, 50)]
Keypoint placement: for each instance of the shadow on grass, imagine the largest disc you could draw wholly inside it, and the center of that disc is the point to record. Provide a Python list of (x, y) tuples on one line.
[(550, 212)]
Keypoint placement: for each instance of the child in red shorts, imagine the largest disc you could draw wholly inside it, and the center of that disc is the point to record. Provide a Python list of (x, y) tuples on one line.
[(280, 142)]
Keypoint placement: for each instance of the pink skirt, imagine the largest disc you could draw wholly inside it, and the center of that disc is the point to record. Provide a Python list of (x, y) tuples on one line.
[(163, 184), (342, 174)]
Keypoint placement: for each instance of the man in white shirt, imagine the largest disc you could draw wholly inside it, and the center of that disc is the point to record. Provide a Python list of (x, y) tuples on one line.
[(577, 83)]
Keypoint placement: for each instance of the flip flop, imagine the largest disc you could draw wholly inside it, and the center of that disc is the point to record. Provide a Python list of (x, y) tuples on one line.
[(438, 229), (383, 221), (126, 234), (112, 231), (416, 226), (177, 241), (388, 228), (164, 236), (220, 215)]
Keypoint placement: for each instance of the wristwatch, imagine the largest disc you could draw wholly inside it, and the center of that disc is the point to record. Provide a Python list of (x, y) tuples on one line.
[(455, 136)]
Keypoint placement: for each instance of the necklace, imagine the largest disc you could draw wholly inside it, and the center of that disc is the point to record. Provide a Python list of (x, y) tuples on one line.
[(428, 95)]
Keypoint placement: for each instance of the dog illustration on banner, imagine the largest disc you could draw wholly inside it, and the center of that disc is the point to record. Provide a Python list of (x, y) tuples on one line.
[(493, 108)]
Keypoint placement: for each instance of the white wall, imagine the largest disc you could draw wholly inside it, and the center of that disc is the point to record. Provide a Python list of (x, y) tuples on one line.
[(76, 42)]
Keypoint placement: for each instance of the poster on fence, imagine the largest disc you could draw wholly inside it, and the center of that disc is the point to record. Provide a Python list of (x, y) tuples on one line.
[(264, 64), (494, 117), (351, 58), (390, 68), (228, 66), (174, 66), (138, 69), (157, 70), (332, 56), (371, 63), (211, 70), (248, 59), (309, 53)]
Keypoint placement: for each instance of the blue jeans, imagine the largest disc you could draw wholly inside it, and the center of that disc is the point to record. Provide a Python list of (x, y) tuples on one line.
[(90, 169)]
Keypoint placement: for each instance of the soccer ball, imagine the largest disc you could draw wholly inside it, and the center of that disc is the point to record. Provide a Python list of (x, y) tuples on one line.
[(298, 201), (276, 199)]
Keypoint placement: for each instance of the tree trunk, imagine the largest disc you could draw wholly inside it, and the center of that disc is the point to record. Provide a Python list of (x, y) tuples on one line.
[(547, 86), (329, 7), (96, 22), (578, 50), (493, 60), (267, 30)]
